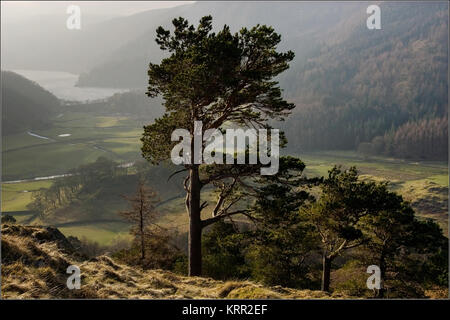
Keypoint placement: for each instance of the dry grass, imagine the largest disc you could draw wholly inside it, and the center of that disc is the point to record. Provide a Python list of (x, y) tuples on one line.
[(35, 260)]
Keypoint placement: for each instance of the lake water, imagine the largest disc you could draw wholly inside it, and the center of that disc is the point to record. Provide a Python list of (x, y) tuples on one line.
[(62, 85)]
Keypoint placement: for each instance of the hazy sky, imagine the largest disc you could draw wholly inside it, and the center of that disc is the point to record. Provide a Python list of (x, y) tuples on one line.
[(19, 10)]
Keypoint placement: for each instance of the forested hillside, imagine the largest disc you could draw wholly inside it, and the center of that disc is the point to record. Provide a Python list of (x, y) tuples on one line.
[(303, 25), (25, 105), (355, 88), (131, 103), (387, 88), (351, 84)]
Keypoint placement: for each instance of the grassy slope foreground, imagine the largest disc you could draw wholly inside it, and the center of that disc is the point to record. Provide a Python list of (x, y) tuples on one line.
[(35, 260)]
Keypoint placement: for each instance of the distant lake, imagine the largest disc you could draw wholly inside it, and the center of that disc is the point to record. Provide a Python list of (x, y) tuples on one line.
[(62, 85)]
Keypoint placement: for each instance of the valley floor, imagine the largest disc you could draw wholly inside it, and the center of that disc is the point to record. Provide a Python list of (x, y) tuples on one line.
[(424, 184)]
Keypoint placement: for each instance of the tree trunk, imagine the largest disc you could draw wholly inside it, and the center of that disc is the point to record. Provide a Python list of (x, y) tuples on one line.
[(195, 225), (142, 245), (326, 271), (382, 265), (141, 224)]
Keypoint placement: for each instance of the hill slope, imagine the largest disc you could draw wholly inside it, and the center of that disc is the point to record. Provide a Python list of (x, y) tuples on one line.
[(381, 91), (351, 85), (25, 105), (35, 260), (302, 25), (372, 82)]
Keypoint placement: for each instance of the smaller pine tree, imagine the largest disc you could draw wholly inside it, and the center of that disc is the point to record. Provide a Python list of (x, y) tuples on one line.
[(142, 213)]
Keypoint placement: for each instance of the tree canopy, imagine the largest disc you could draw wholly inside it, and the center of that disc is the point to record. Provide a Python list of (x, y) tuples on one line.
[(219, 79)]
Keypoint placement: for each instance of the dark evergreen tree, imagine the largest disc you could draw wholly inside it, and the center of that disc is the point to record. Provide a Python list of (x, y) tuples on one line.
[(214, 78)]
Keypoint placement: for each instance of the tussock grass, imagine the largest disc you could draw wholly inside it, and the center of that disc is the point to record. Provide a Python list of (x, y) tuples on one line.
[(35, 260)]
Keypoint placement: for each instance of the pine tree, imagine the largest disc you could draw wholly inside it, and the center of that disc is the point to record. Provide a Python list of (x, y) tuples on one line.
[(142, 213), (215, 78)]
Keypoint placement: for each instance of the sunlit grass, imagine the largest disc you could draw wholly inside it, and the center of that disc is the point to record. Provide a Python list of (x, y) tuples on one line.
[(49, 159), (103, 234), (16, 197)]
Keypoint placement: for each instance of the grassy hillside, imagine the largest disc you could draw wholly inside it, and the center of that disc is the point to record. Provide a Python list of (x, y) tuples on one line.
[(35, 260)]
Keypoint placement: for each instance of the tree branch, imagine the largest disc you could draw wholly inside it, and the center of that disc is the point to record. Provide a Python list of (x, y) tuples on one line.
[(212, 220), (176, 172)]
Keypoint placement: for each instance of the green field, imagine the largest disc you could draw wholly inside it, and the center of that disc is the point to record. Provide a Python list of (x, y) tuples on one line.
[(424, 184), (16, 196), (91, 136), (102, 233)]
